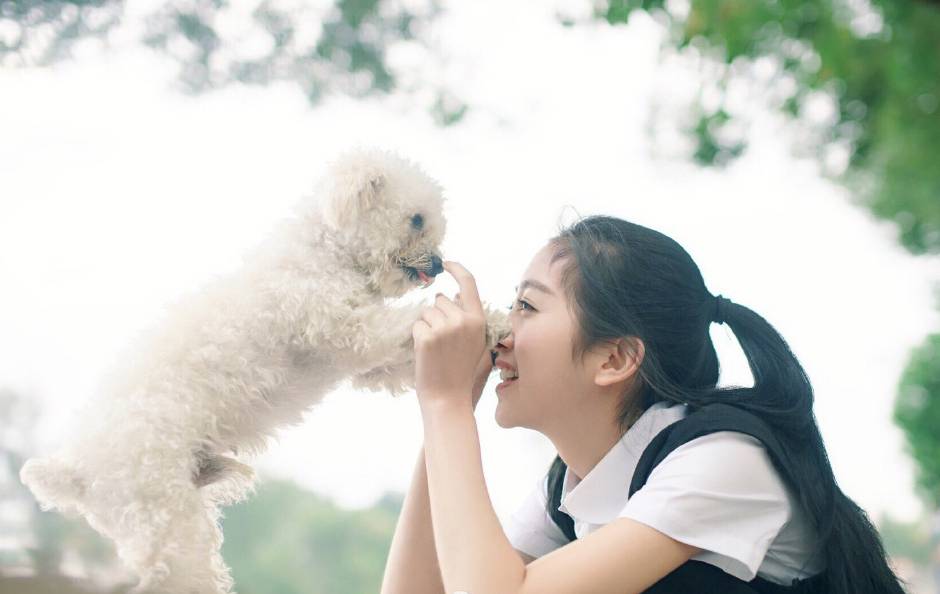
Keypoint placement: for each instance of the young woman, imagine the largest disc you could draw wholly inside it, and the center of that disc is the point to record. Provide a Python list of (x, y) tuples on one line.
[(664, 482)]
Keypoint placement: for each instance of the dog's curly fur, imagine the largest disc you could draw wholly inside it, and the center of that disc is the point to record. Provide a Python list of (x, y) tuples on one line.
[(155, 454)]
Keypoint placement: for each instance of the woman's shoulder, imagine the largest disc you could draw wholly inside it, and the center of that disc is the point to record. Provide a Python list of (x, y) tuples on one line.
[(731, 460), (714, 442), (721, 493)]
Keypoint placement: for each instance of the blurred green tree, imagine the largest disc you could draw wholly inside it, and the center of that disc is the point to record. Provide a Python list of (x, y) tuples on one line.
[(878, 61), (917, 413), (335, 46), (286, 540)]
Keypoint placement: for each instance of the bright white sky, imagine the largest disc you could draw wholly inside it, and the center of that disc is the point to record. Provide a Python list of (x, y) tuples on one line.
[(118, 195)]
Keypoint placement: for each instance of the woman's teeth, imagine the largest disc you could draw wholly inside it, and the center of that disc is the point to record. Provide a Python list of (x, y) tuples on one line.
[(505, 374)]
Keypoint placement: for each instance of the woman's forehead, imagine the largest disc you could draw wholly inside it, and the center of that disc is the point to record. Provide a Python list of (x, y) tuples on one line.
[(536, 285), (543, 273)]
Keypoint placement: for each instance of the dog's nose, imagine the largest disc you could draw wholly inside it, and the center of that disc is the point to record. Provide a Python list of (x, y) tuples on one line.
[(437, 266)]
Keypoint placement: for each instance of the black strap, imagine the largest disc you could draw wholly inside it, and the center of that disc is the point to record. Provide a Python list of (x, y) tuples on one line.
[(556, 477), (697, 577), (705, 420)]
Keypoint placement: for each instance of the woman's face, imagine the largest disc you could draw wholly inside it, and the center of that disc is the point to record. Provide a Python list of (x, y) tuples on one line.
[(550, 383)]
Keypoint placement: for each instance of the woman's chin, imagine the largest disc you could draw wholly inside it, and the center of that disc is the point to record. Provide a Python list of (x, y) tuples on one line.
[(499, 415), (502, 417)]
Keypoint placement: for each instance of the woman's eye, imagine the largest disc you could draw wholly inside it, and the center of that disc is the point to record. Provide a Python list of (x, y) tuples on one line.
[(522, 304)]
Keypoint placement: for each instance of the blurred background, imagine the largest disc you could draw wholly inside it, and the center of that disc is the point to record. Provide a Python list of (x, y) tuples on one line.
[(789, 145)]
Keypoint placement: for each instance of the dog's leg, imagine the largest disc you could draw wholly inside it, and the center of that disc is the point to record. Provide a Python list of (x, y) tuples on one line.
[(398, 376), (212, 468), (497, 326), (369, 337), (175, 544), (401, 320)]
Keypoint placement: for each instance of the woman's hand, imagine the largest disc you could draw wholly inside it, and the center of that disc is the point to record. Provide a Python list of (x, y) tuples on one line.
[(450, 340)]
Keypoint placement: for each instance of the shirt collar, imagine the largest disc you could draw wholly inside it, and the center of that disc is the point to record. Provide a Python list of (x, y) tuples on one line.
[(600, 496)]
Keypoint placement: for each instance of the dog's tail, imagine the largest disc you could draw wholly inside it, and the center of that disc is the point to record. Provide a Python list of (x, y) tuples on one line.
[(55, 484)]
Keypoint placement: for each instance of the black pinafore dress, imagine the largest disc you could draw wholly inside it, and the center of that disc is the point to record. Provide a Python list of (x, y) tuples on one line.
[(698, 577)]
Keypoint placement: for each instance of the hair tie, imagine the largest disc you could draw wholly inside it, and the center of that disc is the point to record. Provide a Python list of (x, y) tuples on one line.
[(718, 316)]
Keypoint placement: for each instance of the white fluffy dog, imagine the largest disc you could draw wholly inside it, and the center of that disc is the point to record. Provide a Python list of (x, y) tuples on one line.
[(155, 454)]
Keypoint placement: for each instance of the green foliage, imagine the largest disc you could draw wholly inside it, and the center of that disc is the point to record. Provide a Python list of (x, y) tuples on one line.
[(885, 81), (286, 540), (917, 412), (618, 11), (348, 54), (342, 49), (710, 150), (448, 110), (69, 20)]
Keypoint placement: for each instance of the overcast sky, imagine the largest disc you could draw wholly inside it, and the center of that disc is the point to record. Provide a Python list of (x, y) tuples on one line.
[(118, 195)]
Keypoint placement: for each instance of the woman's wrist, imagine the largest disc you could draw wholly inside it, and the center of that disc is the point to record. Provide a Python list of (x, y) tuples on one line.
[(445, 405)]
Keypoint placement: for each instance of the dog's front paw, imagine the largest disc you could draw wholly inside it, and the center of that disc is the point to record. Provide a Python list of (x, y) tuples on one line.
[(396, 379)]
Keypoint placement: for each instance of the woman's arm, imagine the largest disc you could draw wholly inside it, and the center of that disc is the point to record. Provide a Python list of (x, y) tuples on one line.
[(412, 566)]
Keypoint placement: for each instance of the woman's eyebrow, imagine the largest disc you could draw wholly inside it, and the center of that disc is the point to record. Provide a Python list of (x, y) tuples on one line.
[(535, 285)]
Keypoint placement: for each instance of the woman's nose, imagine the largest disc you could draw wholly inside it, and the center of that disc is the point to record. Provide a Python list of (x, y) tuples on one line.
[(505, 342)]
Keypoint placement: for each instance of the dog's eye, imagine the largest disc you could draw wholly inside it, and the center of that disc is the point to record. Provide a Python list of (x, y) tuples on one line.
[(417, 221)]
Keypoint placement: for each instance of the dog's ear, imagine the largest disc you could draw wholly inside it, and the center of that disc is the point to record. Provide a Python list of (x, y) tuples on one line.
[(348, 199)]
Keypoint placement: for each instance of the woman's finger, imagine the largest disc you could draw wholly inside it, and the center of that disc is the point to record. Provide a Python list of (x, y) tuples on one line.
[(419, 330), (433, 316), (450, 309), (469, 297)]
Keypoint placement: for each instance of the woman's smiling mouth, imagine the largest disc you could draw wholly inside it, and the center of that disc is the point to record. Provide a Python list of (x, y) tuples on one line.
[(506, 373)]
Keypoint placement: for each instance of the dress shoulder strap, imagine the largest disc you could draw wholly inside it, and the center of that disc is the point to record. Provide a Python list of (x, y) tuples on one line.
[(556, 482), (708, 419)]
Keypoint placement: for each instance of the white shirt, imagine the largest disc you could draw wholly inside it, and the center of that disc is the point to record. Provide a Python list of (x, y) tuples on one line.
[(719, 492)]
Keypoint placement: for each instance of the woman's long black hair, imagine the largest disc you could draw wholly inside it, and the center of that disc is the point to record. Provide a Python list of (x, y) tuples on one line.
[(626, 280)]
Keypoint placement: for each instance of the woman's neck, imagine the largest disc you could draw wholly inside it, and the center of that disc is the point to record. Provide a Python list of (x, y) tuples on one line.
[(587, 437)]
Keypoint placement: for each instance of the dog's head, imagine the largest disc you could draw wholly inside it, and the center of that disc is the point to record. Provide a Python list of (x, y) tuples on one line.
[(388, 215)]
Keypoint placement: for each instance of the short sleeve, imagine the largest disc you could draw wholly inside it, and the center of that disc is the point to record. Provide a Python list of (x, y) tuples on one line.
[(530, 529), (721, 493)]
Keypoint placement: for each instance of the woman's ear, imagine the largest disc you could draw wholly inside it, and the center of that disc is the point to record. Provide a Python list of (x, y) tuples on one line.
[(620, 360)]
